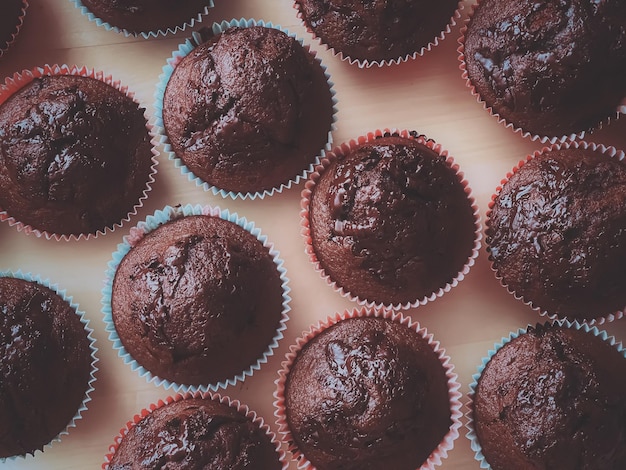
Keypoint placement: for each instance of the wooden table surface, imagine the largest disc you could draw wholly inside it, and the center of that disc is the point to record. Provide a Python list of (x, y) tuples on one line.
[(426, 94)]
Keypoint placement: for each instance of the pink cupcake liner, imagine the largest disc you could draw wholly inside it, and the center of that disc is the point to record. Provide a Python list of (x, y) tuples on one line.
[(19, 80), (364, 63), (184, 49), (94, 359), (509, 125), (344, 149), (134, 236), (192, 22), (224, 400), (469, 414), (447, 444), (5, 47), (611, 152)]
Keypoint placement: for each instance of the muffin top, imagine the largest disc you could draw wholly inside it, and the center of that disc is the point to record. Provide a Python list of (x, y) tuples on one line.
[(390, 221), (367, 393), (377, 30), (11, 11), (137, 16), (557, 233), (248, 110), (554, 397), (549, 67), (197, 300), (45, 365), (75, 155), (195, 433)]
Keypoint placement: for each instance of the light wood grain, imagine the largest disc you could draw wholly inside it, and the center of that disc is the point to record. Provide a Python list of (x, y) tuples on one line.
[(427, 95)]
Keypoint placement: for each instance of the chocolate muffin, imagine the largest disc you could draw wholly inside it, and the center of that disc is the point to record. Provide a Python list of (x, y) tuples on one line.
[(377, 30), (554, 397), (197, 301), (367, 393), (45, 367), (11, 14), (390, 221), (139, 16), (248, 110), (195, 433), (556, 232), (550, 68), (75, 155)]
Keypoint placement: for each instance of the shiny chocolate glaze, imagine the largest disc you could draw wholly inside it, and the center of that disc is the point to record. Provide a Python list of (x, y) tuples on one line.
[(557, 233), (367, 393), (553, 398), (550, 67)]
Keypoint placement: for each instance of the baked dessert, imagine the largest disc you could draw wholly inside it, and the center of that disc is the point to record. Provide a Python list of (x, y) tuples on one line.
[(556, 232), (367, 392), (553, 397), (198, 433), (248, 110), (550, 68), (143, 16), (377, 30), (75, 155), (45, 367), (197, 301), (12, 12), (390, 220)]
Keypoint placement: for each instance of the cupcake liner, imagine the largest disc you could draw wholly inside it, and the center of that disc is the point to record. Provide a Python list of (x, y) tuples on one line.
[(611, 152), (509, 125), (159, 218), (94, 369), (5, 47), (192, 22), (184, 49), (447, 443), (19, 80), (224, 400), (344, 149), (471, 432), (364, 63)]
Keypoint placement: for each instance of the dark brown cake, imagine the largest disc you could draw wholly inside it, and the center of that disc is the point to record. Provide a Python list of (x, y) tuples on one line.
[(390, 221), (367, 393), (377, 30), (195, 433), (553, 398), (75, 155), (10, 13), (549, 67), (248, 110), (137, 16), (197, 300), (556, 233), (45, 367)]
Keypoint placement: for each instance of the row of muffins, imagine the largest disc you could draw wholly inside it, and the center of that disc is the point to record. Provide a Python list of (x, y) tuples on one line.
[(365, 389)]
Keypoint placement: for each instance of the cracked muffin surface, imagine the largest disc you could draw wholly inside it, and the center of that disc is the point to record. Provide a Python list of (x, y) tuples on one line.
[(75, 155), (549, 67), (390, 221), (195, 433), (367, 393), (197, 301), (248, 110), (556, 233), (554, 397)]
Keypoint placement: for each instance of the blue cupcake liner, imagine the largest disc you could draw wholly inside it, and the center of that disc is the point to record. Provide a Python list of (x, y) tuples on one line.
[(183, 50), (159, 218), (471, 433), (90, 384), (144, 34), (18, 26)]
